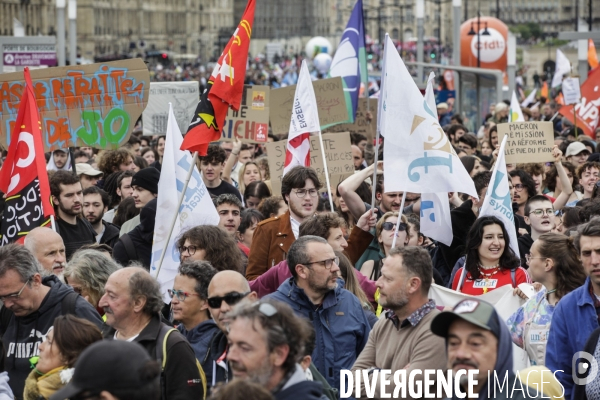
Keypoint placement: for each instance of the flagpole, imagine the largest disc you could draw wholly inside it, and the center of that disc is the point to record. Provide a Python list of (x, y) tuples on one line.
[(374, 183), (399, 219), (326, 172), (174, 220)]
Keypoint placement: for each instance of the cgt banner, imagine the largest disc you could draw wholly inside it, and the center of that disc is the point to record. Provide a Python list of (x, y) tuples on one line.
[(93, 105), (182, 95)]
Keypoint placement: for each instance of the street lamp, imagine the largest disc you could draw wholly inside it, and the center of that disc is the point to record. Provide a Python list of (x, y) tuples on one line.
[(484, 33)]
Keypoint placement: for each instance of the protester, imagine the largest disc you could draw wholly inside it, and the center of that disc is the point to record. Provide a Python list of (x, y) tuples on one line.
[(189, 304), (229, 208), (211, 167), (48, 249), (145, 189), (160, 150), (137, 244), (403, 340), (88, 176), (539, 215), (114, 369), (241, 153), (468, 143), (358, 158), (62, 345), (60, 160), (490, 261), (67, 198), (31, 303), (132, 302), (266, 342), (553, 262), (472, 164), (587, 173), (272, 207), (148, 154), (249, 172), (524, 189), (255, 193), (95, 204), (212, 244), (274, 236), (577, 154), (242, 390), (122, 190), (249, 220), (115, 160)]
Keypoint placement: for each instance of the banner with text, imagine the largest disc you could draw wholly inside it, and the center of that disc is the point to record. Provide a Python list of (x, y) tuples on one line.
[(528, 142), (251, 123), (331, 104), (361, 124), (93, 105), (337, 151), (182, 95)]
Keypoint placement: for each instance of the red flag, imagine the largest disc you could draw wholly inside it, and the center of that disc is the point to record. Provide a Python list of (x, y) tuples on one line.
[(592, 55), (589, 106), (225, 88), (23, 177)]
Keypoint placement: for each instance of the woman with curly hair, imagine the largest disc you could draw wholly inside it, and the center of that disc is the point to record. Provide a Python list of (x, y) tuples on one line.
[(115, 160)]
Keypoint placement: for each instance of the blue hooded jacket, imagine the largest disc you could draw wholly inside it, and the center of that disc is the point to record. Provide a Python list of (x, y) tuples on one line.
[(200, 338), (341, 326)]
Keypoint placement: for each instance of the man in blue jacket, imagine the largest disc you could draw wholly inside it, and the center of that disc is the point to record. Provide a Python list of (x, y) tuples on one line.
[(576, 315), (314, 292)]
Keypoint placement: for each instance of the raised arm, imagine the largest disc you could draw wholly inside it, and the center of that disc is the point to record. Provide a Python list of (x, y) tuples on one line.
[(226, 175), (348, 188), (567, 189)]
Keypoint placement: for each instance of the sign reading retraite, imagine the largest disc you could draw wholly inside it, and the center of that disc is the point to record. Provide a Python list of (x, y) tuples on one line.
[(528, 141)]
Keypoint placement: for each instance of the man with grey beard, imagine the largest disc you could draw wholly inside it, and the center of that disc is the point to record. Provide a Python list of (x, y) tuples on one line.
[(48, 248)]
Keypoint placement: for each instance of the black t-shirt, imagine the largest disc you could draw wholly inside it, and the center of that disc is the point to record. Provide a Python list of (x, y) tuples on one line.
[(75, 236), (223, 188)]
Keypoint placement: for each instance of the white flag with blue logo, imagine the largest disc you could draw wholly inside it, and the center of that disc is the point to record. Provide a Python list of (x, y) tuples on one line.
[(197, 207), (418, 156), (497, 200)]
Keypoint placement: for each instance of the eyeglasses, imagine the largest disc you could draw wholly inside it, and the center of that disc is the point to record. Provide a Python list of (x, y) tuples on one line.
[(301, 193), (390, 226), (518, 187), (528, 258), (190, 249), (328, 263), (181, 295), (230, 298), (15, 296), (539, 212)]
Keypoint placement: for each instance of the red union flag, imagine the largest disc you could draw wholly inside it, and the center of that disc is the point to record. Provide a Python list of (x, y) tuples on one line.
[(589, 106), (225, 88), (23, 178)]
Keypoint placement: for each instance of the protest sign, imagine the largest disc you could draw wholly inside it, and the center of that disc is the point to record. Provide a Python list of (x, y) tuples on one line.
[(337, 150), (571, 90), (361, 123), (331, 104), (93, 105), (251, 123), (528, 142), (182, 95)]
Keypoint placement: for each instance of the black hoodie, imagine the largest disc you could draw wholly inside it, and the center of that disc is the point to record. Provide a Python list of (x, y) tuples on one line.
[(23, 335), (141, 236)]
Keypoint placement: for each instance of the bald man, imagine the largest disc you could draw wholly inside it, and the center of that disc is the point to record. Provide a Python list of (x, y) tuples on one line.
[(226, 289), (358, 158), (48, 248)]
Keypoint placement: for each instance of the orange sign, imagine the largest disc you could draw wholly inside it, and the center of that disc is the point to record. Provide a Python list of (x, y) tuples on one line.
[(492, 47)]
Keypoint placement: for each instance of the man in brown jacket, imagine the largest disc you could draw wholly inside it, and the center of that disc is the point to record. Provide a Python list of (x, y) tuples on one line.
[(274, 236)]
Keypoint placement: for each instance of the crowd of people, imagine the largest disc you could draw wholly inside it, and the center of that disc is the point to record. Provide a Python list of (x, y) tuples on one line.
[(284, 294)]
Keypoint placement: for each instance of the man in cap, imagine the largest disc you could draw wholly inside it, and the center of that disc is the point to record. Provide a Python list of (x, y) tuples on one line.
[(88, 176), (114, 369), (478, 339), (577, 154), (443, 115), (145, 188), (48, 248)]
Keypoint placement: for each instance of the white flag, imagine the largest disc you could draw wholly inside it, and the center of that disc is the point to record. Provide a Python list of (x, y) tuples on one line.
[(197, 207), (563, 66), (497, 200), (515, 114), (530, 99), (305, 119), (418, 156)]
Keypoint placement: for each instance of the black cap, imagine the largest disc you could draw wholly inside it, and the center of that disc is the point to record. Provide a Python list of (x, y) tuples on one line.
[(147, 178), (475, 311), (109, 365)]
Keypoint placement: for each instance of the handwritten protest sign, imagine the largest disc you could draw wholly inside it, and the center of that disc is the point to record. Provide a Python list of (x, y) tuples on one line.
[(361, 124), (251, 123), (330, 102), (528, 142), (571, 90), (93, 105), (184, 97), (337, 151)]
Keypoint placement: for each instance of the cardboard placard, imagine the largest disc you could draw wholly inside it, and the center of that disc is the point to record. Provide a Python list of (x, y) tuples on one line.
[(361, 124), (251, 123), (184, 98), (93, 105), (571, 90), (337, 150), (528, 142), (331, 104)]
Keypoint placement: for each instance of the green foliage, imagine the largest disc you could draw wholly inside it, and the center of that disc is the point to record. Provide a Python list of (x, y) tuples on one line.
[(527, 31)]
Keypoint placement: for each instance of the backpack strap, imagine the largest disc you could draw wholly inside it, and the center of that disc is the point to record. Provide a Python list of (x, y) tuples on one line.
[(129, 247), (68, 302), (513, 277)]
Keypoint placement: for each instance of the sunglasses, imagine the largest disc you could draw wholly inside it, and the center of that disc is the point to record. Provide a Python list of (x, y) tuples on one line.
[(390, 226), (230, 298)]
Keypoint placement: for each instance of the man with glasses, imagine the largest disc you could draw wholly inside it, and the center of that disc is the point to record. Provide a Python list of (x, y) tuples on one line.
[(31, 303), (212, 244), (315, 292), (539, 215), (524, 189), (274, 236), (226, 289)]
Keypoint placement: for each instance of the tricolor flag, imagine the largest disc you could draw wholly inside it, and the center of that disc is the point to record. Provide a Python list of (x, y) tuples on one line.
[(350, 59), (515, 114), (225, 88), (305, 119), (23, 177), (197, 207)]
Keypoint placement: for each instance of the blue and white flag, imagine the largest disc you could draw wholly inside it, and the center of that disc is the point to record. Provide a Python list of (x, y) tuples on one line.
[(197, 207), (350, 59), (497, 200)]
